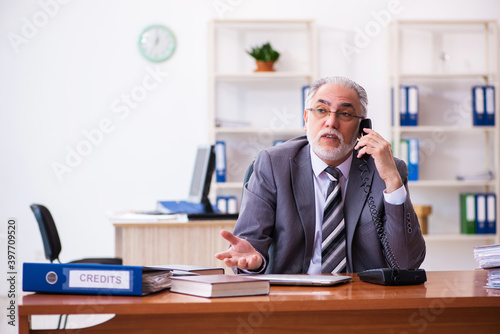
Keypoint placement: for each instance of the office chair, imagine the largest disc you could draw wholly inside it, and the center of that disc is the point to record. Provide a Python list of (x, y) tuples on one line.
[(52, 244), (248, 173), (51, 241)]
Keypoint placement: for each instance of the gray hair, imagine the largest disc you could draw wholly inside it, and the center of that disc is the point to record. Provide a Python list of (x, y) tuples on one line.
[(344, 82)]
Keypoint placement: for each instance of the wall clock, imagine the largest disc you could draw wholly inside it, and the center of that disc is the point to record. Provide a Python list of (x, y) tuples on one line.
[(156, 43)]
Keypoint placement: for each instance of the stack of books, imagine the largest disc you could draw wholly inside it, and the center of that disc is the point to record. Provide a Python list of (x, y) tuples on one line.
[(488, 258), (99, 279), (82, 278)]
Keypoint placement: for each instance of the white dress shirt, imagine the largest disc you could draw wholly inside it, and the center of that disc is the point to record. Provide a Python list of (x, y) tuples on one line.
[(321, 184)]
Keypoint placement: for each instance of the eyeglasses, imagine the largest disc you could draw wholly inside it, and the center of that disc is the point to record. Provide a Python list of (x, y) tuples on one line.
[(342, 115)]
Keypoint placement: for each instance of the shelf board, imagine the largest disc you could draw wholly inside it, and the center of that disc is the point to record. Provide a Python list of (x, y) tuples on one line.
[(245, 130), (229, 185), (443, 75), (486, 238), (263, 75), (444, 128), (452, 183), (251, 23), (444, 22)]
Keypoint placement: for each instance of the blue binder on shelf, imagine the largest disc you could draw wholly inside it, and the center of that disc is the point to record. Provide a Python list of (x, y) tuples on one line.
[(305, 91), (483, 105), (412, 105), (220, 161), (403, 106), (478, 105), (491, 213), (481, 214), (221, 203), (413, 159), (489, 105), (227, 204), (408, 105), (80, 278)]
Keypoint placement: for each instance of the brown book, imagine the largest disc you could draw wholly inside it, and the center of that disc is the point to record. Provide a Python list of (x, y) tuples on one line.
[(219, 285)]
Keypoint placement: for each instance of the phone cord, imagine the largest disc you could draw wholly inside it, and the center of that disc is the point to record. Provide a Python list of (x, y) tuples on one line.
[(379, 226), (389, 255)]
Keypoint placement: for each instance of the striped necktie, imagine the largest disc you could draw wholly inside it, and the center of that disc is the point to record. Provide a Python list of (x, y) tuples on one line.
[(333, 244)]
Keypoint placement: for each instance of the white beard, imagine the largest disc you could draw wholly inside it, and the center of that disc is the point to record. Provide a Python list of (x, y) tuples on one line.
[(331, 154)]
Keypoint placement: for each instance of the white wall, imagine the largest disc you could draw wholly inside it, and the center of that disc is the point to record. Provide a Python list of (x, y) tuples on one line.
[(67, 76)]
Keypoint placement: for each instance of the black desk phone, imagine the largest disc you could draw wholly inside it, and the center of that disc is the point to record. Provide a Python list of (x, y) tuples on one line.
[(393, 275)]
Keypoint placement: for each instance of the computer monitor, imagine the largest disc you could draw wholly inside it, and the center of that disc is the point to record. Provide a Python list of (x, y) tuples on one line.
[(202, 176)]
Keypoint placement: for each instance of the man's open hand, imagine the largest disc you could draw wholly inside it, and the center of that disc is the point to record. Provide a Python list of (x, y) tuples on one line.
[(241, 254)]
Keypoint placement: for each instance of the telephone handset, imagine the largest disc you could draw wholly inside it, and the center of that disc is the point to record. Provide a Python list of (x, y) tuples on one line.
[(393, 275), (365, 123)]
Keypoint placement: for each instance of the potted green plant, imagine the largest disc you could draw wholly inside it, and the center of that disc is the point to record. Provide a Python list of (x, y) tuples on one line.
[(265, 57)]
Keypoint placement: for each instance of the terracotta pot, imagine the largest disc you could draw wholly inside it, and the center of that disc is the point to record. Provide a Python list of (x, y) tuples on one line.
[(264, 66)]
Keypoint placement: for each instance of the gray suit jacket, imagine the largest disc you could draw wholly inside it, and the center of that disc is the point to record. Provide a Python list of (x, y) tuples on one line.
[(278, 213)]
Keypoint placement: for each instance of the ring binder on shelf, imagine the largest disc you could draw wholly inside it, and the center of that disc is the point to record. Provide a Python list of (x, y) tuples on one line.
[(480, 213), (220, 161), (483, 105), (491, 214)]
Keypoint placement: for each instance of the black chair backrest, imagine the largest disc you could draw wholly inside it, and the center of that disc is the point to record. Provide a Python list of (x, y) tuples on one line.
[(48, 230), (248, 173)]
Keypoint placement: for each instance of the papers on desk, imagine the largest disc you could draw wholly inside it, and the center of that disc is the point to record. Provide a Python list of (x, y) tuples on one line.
[(144, 217), (488, 257), (186, 269), (493, 278), (484, 176)]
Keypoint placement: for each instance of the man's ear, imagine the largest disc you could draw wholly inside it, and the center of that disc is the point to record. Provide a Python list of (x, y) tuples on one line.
[(306, 118)]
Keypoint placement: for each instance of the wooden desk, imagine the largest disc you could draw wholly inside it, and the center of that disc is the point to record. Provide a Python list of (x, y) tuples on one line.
[(169, 242), (450, 302)]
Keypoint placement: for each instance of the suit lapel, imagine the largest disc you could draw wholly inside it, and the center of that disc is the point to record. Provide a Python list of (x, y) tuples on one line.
[(358, 187), (303, 192)]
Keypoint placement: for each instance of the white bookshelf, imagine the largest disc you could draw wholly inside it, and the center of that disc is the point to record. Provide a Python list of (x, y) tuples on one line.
[(445, 59), (263, 106)]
